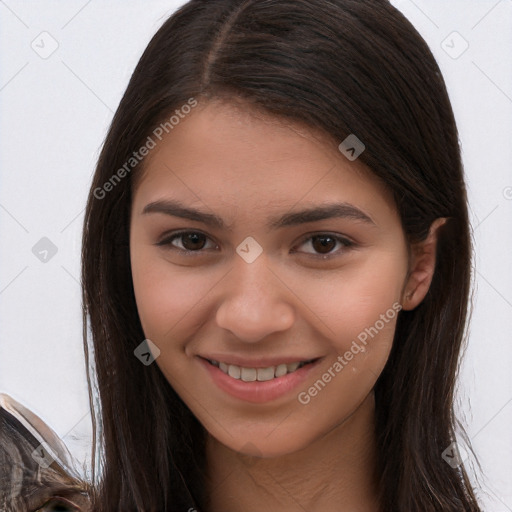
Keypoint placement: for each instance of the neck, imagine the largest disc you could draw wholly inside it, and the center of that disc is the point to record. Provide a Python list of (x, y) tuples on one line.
[(336, 472)]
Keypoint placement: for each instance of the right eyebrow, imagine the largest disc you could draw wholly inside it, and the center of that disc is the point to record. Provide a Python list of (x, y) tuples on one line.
[(176, 209)]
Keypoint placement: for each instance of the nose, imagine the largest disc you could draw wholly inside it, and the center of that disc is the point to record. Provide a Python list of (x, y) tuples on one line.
[(255, 302)]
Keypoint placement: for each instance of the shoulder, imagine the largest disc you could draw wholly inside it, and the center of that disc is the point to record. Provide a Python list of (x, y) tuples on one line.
[(36, 468)]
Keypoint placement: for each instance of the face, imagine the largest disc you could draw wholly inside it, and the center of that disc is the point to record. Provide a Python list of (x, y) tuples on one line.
[(257, 245)]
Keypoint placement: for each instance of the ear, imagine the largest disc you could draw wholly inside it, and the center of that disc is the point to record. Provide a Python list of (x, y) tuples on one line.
[(421, 267)]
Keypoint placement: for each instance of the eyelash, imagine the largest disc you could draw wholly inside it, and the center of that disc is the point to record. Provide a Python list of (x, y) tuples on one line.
[(167, 242)]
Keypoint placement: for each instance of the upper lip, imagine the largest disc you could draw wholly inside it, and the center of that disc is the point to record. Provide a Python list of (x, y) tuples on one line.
[(256, 362)]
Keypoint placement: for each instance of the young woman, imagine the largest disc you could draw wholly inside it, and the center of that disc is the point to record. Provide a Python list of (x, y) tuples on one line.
[(276, 267)]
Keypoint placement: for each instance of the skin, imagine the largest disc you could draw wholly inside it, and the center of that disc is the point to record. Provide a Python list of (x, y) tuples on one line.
[(231, 161)]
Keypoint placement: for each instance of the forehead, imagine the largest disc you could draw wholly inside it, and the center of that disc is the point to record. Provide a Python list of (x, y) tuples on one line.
[(226, 154)]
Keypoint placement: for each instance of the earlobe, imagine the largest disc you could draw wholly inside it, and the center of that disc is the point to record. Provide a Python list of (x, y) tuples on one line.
[(422, 267)]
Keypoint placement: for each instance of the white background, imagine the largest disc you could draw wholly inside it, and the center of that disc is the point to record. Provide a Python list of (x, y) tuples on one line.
[(54, 116)]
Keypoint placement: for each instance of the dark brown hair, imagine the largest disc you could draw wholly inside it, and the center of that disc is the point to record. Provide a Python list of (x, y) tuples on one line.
[(342, 67)]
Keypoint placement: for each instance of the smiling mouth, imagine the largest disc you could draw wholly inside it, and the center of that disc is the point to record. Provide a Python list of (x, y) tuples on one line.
[(259, 374)]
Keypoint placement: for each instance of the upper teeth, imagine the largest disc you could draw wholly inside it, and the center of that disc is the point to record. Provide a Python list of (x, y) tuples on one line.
[(260, 374)]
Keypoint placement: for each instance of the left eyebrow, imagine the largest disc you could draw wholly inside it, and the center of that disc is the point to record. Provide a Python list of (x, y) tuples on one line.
[(322, 212), (313, 214)]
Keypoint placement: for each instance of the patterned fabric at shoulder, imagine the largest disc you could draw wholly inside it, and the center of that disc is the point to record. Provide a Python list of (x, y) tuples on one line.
[(36, 469)]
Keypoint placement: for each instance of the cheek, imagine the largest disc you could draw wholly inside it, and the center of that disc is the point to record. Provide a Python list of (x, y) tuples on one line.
[(361, 316), (349, 302), (166, 295)]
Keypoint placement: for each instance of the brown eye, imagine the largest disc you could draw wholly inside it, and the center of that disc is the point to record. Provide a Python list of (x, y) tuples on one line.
[(193, 241), (324, 245), (186, 241)]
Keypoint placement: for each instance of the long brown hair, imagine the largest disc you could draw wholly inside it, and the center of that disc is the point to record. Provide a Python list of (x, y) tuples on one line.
[(341, 66)]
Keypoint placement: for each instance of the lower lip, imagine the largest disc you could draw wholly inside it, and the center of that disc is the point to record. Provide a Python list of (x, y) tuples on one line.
[(259, 391)]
